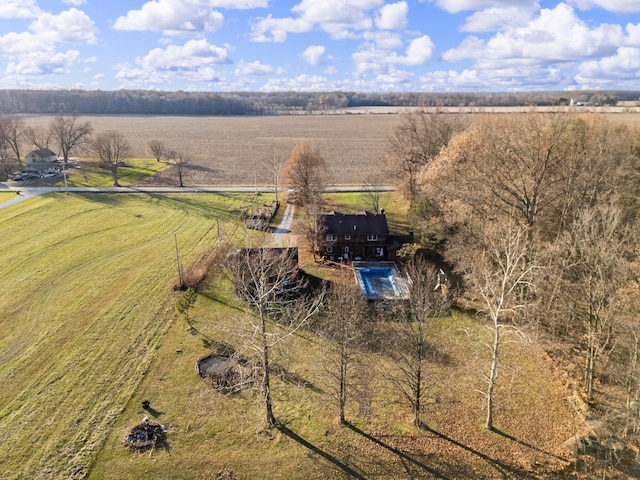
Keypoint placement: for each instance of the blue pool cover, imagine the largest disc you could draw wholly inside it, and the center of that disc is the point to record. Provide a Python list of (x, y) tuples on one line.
[(380, 281)]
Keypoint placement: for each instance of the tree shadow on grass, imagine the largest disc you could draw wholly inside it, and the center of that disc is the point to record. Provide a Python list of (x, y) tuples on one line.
[(403, 456), (528, 445), (506, 470), (330, 458)]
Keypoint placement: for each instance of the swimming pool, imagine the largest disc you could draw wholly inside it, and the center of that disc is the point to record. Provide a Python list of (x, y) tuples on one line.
[(380, 281)]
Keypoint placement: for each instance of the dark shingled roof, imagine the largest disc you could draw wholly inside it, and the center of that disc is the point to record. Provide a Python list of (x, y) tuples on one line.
[(363, 223)]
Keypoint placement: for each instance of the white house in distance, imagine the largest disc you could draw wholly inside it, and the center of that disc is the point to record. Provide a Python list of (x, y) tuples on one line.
[(41, 162), (41, 156)]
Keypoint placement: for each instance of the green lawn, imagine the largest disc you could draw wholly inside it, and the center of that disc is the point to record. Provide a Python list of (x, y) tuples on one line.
[(90, 175), (4, 196), (88, 331), (87, 298)]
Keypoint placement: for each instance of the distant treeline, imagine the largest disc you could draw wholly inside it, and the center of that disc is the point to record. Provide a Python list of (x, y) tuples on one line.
[(151, 102)]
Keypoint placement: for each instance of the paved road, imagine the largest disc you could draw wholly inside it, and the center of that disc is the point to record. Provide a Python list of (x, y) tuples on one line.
[(280, 236)]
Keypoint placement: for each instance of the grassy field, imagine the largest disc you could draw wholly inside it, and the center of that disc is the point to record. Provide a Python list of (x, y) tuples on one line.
[(4, 196), (88, 331), (236, 150), (87, 298), (89, 174)]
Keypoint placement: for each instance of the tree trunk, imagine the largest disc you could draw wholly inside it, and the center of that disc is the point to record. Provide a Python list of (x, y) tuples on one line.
[(492, 374), (418, 393), (343, 383), (266, 385)]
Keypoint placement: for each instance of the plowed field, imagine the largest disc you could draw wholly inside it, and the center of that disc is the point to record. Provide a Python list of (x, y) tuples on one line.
[(238, 150)]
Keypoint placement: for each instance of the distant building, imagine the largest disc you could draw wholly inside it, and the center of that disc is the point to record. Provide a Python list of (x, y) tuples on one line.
[(41, 161), (41, 156)]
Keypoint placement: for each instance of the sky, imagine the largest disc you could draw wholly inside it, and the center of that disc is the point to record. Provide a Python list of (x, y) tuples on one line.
[(320, 45)]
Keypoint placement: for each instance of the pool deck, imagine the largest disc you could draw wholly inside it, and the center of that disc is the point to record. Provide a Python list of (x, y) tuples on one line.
[(380, 280)]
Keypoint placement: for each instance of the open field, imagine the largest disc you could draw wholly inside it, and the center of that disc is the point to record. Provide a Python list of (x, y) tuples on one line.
[(236, 150), (87, 299), (88, 331)]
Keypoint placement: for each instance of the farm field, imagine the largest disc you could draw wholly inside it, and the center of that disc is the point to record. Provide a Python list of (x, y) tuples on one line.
[(238, 150), (88, 330)]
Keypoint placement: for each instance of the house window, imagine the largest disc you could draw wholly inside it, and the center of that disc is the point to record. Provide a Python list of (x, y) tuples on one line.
[(332, 238), (345, 249), (372, 238), (329, 249), (347, 237)]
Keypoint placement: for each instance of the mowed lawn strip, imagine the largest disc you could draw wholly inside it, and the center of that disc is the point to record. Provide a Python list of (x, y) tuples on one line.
[(87, 296)]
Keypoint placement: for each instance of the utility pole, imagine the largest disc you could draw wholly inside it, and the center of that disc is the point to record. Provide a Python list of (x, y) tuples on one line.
[(175, 241)]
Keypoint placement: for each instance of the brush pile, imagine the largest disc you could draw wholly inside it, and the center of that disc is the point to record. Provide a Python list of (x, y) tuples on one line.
[(145, 436)]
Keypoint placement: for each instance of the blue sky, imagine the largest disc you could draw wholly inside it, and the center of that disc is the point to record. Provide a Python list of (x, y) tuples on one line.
[(321, 45)]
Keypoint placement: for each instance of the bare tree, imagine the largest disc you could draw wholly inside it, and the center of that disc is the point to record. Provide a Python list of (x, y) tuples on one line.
[(181, 162), (411, 348), (156, 148), (414, 143), (39, 136), (273, 167), (373, 192), (112, 148), (345, 324), (305, 171), (498, 272), (70, 133), (591, 264), (270, 281), (312, 228), (12, 130)]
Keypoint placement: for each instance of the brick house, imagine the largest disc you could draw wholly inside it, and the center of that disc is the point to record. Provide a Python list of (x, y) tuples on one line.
[(359, 236)]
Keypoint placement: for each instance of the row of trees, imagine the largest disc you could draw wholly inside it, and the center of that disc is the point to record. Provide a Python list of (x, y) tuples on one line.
[(270, 281), (538, 214), (66, 135), (136, 102)]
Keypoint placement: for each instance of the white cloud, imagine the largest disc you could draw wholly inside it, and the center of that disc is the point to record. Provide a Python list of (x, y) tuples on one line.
[(394, 77), (457, 6), (193, 55), (69, 26), (555, 35), (271, 29), (520, 78), (339, 18), (616, 6), (385, 39), (193, 62), (172, 17), (313, 54), (253, 68), (419, 51), (493, 19), (35, 52), (393, 16), (43, 62), (19, 9), (610, 71), (300, 83)]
